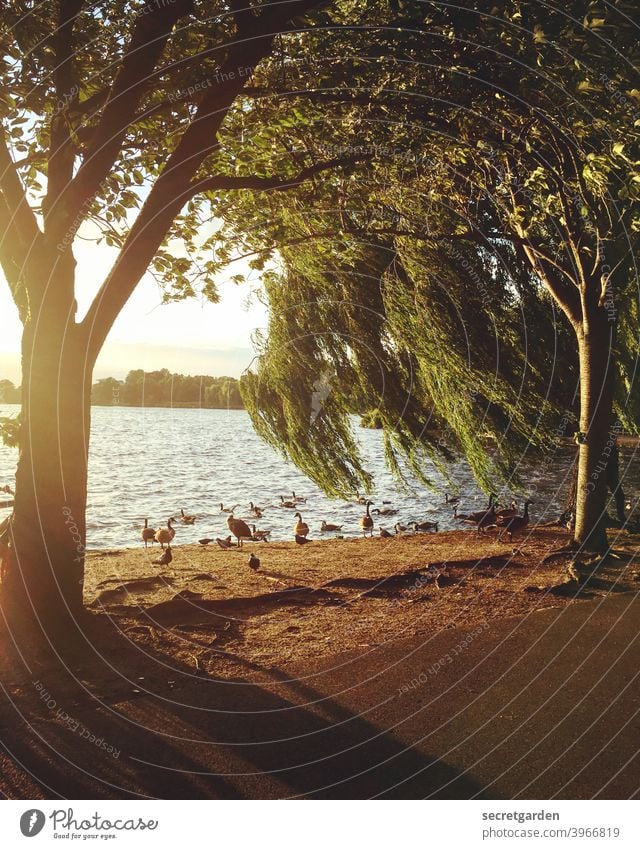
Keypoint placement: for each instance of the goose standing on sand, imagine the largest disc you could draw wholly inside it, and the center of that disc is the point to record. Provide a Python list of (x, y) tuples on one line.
[(385, 534), (366, 522), (514, 524), (225, 543), (165, 559), (327, 526), (300, 529), (508, 512), (239, 529), (301, 540), (148, 534), (165, 535), (254, 563), (482, 519), (187, 520)]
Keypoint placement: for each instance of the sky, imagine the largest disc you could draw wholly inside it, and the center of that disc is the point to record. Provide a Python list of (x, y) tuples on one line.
[(190, 337)]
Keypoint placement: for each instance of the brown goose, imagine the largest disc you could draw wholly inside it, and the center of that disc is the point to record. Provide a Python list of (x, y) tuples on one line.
[(366, 522), (327, 526), (300, 529), (239, 529), (165, 535), (187, 520), (148, 534)]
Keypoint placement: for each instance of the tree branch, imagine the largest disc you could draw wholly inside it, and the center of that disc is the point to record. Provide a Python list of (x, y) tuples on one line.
[(22, 220)]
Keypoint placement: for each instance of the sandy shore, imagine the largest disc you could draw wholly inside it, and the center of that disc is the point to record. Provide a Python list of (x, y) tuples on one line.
[(211, 610)]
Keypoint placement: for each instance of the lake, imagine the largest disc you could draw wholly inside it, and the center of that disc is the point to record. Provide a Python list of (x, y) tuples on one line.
[(152, 462)]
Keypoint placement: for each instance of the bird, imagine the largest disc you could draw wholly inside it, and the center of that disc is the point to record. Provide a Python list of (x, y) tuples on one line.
[(285, 503), (514, 524), (148, 534), (326, 526), (259, 536), (366, 522), (165, 535), (239, 529), (480, 518), (301, 540), (298, 498), (425, 526), (385, 534), (187, 520), (453, 500), (165, 558), (224, 509), (507, 512), (205, 541), (255, 510), (360, 499), (225, 543), (386, 511), (254, 563), (300, 529), (400, 529)]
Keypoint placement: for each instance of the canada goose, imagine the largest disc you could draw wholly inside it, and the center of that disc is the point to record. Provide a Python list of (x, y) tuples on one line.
[(165, 535), (301, 540), (298, 498), (259, 536), (205, 541), (385, 534), (326, 526), (225, 543), (386, 511), (257, 511), (453, 500), (360, 499), (285, 503), (480, 518), (187, 520), (514, 524), (165, 558), (224, 509), (254, 563), (366, 522), (425, 526), (507, 512), (148, 534), (300, 529), (239, 529)]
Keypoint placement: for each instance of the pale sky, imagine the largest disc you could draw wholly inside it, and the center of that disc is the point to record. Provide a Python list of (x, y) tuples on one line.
[(190, 337)]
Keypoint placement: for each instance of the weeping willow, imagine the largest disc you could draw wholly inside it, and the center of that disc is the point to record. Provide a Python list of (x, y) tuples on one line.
[(421, 334)]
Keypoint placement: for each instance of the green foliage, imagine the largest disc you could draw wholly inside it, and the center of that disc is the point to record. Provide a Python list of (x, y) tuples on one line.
[(164, 389)]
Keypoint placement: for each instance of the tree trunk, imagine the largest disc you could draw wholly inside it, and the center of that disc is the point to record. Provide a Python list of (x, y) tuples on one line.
[(595, 344), (44, 567)]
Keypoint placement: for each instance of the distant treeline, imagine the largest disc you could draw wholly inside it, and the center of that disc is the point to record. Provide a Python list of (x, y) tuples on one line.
[(154, 389)]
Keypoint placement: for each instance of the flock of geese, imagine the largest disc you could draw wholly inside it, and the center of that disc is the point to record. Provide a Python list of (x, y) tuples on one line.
[(504, 519)]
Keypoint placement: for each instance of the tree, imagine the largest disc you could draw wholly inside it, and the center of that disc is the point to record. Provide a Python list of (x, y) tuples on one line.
[(535, 172), (116, 119)]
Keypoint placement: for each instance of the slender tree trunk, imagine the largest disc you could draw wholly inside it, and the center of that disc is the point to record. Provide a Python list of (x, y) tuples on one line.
[(595, 344), (44, 568)]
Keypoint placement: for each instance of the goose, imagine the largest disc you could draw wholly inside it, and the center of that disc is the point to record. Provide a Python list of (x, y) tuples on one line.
[(301, 540), (360, 499), (326, 526), (425, 526), (300, 529), (254, 563), (514, 524), (239, 529), (480, 518), (166, 557), (507, 512), (148, 534), (257, 511), (386, 511), (366, 522), (453, 500), (224, 509), (205, 541), (165, 535), (285, 503), (400, 529), (298, 498), (187, 520), (225, 543), (385, 534), (259, 536)]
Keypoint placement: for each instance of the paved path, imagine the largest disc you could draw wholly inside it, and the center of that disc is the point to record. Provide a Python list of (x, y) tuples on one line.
[(541, 707)]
